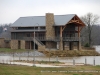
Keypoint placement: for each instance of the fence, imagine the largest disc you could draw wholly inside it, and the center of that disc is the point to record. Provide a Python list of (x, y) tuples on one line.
[(29, 57)]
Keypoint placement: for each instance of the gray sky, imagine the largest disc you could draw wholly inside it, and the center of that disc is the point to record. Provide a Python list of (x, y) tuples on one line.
[(11, 10)]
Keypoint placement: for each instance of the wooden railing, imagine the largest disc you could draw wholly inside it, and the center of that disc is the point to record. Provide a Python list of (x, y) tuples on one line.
[(53, 39), (71, 39)]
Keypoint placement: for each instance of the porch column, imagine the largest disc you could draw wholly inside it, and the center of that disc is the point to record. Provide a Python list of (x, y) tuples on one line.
[(61, 40), (79, 42)]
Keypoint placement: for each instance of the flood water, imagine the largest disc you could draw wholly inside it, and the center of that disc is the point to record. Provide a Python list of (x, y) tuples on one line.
[(82, 59)]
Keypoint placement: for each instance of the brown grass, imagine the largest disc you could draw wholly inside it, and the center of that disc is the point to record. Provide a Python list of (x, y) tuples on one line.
[(71, 53)]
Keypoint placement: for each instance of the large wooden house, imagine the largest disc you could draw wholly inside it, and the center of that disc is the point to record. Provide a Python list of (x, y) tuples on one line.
[(50, 32)]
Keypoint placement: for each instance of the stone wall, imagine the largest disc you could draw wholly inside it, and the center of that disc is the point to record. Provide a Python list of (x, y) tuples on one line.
[(14, 44), (7, 44), (51, 44), (2, 43), (22, 44), (79, 45), (41, 48)]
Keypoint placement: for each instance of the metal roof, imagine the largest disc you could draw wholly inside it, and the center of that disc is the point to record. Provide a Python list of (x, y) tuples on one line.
[(40, 20), (62, 19)]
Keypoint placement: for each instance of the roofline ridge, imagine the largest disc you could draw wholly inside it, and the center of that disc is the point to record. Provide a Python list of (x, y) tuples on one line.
[(64, 14), (31, 16)]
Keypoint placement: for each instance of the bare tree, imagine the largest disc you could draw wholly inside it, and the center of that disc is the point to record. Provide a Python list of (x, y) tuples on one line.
[(90, 19)]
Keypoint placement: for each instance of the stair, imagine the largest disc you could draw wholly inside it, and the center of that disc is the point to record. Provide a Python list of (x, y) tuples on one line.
[(38, 42)]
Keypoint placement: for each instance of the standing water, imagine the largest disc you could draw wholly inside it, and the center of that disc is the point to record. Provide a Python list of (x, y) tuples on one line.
[(81, 59)]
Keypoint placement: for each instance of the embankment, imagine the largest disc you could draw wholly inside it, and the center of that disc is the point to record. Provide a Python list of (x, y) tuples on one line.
[(70, 53)]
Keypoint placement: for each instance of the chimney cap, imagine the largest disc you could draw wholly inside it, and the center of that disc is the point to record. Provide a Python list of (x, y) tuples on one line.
[(49, 13)]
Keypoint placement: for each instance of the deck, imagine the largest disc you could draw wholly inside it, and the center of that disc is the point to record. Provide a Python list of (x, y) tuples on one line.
[(56, 39)]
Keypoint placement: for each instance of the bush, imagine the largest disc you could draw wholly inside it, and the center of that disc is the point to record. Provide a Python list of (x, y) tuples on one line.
[(87, 45)]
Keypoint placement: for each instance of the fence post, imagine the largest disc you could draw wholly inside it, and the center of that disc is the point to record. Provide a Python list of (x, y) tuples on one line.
[(85, 61), (57, 59), (73, 62), (94, 62)]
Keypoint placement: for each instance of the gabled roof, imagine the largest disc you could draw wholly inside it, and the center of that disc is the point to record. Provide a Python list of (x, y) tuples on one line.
[(40, 20), (62, 19)]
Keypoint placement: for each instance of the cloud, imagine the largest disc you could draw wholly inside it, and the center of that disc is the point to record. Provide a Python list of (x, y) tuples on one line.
[(10, 10)]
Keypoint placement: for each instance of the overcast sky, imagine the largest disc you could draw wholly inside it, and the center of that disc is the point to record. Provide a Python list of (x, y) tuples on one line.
[(11, 10)]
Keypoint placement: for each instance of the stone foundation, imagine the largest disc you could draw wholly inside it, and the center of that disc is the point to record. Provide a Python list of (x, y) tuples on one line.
[(41, 48), (14, 44), (79, 45), (50, 44), (22, 44), (2, 43)]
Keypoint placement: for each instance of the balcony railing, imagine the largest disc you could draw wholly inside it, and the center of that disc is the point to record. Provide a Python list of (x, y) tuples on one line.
[(53, 39), (71, 39)]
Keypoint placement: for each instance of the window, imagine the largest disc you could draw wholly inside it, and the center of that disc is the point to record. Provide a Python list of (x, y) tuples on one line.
[(28, 35)]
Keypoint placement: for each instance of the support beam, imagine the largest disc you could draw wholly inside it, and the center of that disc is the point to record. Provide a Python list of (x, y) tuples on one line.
[(81, 28), (61, 31), (64, 28), (78, 31), (61, 40)]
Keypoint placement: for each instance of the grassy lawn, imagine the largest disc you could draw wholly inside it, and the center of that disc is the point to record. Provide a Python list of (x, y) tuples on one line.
[(25, 70), (8, 50)]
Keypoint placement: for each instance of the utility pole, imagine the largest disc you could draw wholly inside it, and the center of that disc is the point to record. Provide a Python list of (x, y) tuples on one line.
[(34, 49)]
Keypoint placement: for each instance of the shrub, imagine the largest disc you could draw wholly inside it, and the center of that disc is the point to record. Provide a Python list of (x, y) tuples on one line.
[(87, 45)]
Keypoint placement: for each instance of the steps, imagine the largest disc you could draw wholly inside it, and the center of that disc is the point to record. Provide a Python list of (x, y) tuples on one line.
[(38, 42)]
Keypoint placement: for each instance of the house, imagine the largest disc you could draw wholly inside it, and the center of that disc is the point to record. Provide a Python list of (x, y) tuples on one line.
[(51, 31)]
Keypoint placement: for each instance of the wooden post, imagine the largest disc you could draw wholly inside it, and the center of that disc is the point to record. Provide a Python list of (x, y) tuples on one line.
[(73, 62), (94, 62), (85, 61), (60, 31), (79, 43), (78, 31), (61, 41)]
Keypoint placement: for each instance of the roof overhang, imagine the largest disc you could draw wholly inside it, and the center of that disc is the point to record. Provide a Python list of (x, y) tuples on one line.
[(28, 30)]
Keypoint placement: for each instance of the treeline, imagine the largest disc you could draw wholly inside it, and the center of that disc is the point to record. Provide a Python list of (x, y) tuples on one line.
[(95, 35), (5, 31)]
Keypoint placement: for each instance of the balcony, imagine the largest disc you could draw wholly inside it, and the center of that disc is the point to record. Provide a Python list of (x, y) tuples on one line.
[(56, 39), (71, 39)]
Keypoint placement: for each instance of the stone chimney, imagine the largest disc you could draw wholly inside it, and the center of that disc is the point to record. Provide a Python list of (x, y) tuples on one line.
[(50, 30)]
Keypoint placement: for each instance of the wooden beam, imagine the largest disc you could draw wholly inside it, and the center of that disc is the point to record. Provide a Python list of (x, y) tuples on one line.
[(63, 28), (81, 28), (78, 31), (60, 31), (75, 21)]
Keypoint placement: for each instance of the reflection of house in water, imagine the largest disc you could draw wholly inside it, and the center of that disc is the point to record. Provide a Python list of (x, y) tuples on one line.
[(51, 31)]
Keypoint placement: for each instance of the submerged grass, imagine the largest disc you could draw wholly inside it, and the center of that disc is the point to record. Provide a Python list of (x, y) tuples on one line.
[(26, 70)]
